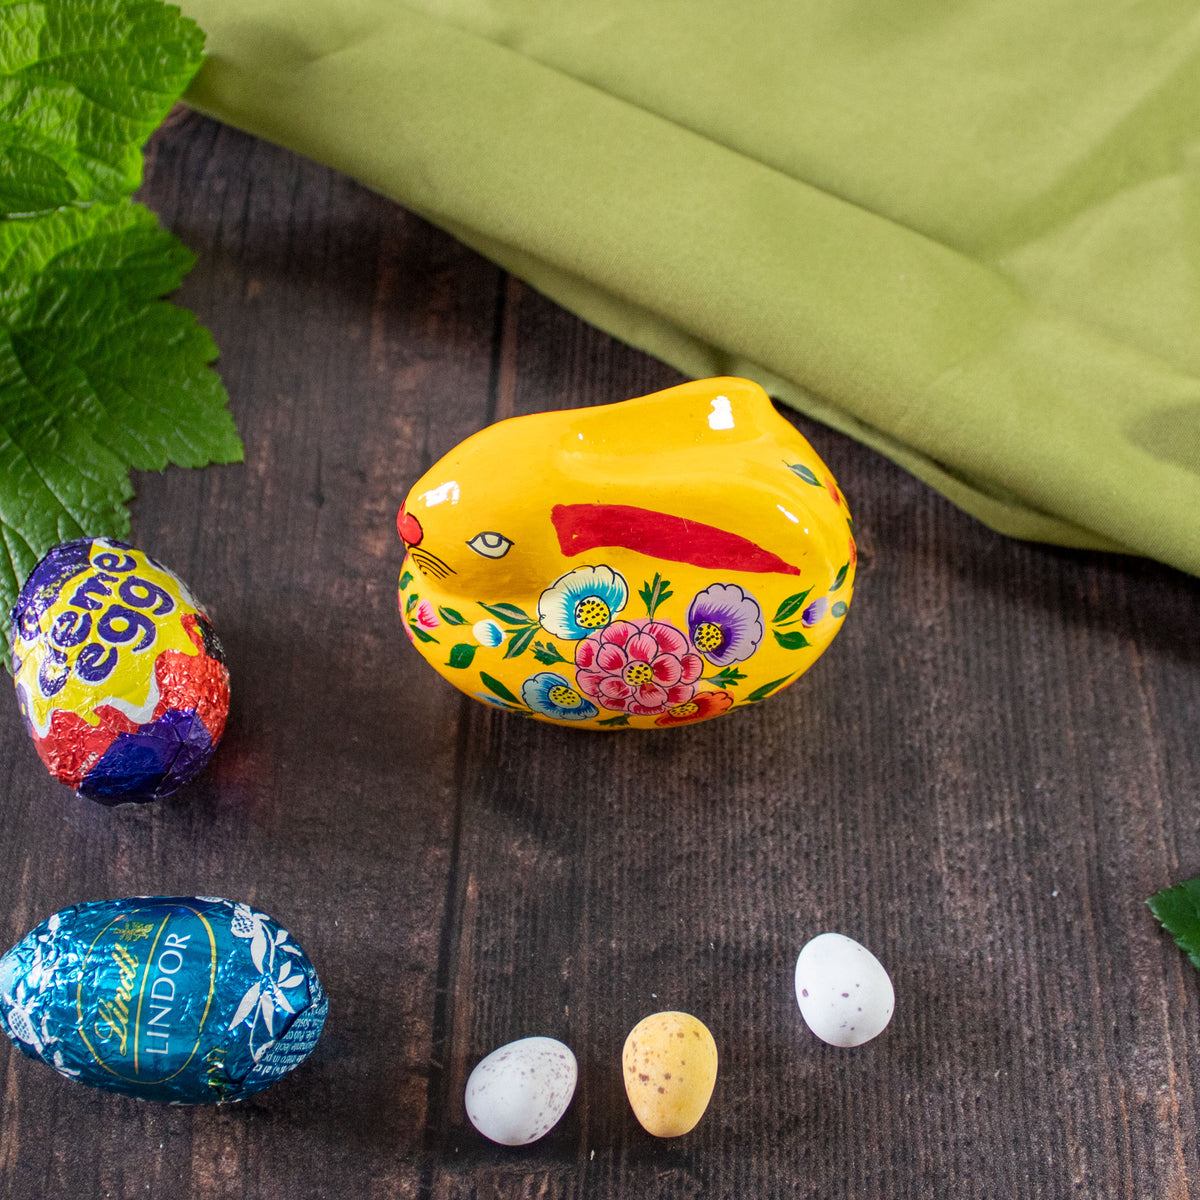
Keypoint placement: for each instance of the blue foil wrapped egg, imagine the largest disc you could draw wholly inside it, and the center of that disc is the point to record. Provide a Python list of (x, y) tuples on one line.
[(190, 1000)]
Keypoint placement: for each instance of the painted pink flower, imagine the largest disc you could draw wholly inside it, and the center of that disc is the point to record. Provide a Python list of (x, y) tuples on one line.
[(426, 616), (638, 667)]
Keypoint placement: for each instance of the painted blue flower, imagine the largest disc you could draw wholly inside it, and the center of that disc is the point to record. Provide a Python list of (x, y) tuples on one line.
[(488, 633), (552, 696), (725, 624), (581, 601)]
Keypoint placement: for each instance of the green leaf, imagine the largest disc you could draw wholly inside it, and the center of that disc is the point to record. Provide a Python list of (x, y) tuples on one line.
[(494, 685), (623, 719), (97, 374), (791, 606), (761, 693), (840, 579), (547, 653), (839, 609), (405, 579), (656, 593), (1178, 910), (791, 641), (83, 84), (804, 473), (411, 603), (461, 655), (510, 614), (420, 633), (726, 677), (519, 642), (452, 616)]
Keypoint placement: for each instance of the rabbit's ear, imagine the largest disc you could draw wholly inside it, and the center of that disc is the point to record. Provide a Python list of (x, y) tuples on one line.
[(703, 414)]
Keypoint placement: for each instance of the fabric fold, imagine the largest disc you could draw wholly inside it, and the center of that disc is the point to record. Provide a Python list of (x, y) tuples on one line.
[(1017, 394)]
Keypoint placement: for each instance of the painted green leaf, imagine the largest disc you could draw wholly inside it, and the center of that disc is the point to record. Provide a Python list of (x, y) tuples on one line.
[(726, 677), (494, 685), (804, 473), (656, 593), (420, 633), (1178, 910), (794, 640), (519, 642), (510, 614), (547, 653), (405, 579), (761, 693), (791, 606), (839, 609), (411, 603), (461, 655), (840, 578), (623, 719), (452, 616)]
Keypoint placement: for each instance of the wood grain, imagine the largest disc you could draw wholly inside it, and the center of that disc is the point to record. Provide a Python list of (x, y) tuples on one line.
[(992, 767)]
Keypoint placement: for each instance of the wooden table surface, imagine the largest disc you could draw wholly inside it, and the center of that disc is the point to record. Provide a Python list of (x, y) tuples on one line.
[(982, 780)]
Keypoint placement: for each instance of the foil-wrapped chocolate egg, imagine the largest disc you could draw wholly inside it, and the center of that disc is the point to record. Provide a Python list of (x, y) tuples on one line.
[(192, 1000), (121, 680)]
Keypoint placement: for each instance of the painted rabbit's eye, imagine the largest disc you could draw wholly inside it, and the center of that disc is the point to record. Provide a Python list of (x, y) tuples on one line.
[(490, 545)]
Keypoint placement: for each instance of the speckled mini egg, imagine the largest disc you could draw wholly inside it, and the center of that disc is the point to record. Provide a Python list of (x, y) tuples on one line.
[(844, 993), (670, 1068), (519, 1092), (120, 678)]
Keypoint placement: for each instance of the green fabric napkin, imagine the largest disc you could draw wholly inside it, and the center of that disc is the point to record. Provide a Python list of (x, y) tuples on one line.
[(966, 232)]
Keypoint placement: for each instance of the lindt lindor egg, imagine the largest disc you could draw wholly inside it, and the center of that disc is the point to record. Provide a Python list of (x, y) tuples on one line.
[(120, 677), (519, 1092), (654, 563), (191, 1000), (844, 993), (670, 1068)]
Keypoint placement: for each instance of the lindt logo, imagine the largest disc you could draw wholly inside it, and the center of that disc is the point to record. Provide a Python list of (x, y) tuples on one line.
[(142, 1027)]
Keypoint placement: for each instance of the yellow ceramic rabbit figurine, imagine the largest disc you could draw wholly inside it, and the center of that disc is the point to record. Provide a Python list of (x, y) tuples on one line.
[(650, 563)]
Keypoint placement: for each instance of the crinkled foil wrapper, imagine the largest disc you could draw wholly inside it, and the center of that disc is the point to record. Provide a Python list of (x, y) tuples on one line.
[(189, 1000), (120, 677)]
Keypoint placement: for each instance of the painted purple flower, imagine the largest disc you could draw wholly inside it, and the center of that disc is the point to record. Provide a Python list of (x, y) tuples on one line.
[(725, 624), (814, 612)]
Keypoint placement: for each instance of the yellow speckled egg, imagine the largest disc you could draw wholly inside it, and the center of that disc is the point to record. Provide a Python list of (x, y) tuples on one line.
[(670, 1067)]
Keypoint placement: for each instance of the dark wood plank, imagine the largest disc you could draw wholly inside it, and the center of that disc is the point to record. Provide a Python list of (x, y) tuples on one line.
[(356, 349), (982, 780)]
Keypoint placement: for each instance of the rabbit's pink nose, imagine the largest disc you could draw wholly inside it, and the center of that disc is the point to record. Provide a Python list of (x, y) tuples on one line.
[(408, 527)]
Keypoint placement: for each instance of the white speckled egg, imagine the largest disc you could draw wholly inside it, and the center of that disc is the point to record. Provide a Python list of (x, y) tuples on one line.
[(844, 993), (518, 1093)]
